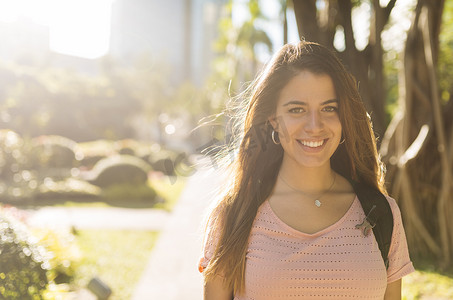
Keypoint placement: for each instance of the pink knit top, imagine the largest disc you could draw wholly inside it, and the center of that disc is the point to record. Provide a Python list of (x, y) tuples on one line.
[(336, 262)]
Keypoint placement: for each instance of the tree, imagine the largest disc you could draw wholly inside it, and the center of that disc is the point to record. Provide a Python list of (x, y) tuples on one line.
[(319, 21), (420, 177), (237, 45), (417, 176)]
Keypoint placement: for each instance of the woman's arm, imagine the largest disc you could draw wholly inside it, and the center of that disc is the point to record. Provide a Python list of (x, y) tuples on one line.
[(215, 289), (393, 291)]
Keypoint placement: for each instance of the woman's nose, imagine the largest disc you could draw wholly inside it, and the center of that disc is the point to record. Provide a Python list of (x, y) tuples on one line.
[(314, 122)]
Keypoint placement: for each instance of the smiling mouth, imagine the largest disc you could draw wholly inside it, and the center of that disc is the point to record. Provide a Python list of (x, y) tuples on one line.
[(312, 144)]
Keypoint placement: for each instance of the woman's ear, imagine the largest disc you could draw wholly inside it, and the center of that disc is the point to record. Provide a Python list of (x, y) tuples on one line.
[(273, 120)]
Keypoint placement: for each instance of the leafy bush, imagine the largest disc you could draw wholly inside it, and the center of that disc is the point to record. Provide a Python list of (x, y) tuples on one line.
[(88, 161), (53, 151), (69, 188), (23, 263), (127, 147), (16, 181), (167, 161), (11, 153), (65, 254), (119, 169), (129, 191)]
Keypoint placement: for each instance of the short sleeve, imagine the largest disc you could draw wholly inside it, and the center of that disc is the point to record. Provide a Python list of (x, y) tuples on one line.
[(400, 264), (210, 241)]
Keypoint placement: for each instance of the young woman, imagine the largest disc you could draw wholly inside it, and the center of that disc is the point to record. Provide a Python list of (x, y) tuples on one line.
[(286, 226)]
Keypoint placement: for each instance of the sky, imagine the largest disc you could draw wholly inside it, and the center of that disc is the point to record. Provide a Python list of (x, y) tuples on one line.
[(82, 27), (76, 27)]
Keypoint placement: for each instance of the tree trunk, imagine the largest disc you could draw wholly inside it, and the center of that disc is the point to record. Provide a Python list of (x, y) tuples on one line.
[(366, 65), (417, 175), (285, 21)]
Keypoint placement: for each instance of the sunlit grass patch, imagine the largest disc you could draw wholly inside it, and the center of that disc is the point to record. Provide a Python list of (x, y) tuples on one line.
[(168, 188), (424, 284), (118, 258)]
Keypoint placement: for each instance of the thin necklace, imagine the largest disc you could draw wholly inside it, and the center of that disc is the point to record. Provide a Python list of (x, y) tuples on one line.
[(318, 203)]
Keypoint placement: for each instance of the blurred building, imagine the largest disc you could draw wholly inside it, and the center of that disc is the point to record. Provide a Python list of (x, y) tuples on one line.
[(22, 38), (179, 33), (176, 34)]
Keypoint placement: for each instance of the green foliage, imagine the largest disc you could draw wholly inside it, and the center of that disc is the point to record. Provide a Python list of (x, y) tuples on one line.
[(54, 151), (12, 157), (67, 189), (391, 65), (23, 263), (94, 151), (424, 284), (44, 100), (117, 257), (16, 180), (127, 191), (168, 190), (64, 253), (445, 64), (119, 169), (166, 161), (236, 45)]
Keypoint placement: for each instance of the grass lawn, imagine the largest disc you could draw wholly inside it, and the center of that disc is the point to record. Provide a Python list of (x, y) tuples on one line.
[(118, 258), (428, 283)]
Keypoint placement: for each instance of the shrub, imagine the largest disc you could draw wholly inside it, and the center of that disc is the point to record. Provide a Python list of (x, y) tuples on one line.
[(16, 181), (53, 151), (88, 161), (23, 263), (12, 157), (68, 188), (130, 192), (65, 254), (119, 169), (164, 165), (127, 147), (167, 161), (94, 151)]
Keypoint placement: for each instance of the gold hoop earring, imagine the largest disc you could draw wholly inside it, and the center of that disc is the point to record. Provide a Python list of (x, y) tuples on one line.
[(341, 142), (273, 138)]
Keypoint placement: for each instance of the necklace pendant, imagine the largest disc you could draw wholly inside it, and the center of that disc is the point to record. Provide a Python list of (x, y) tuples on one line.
[(317, 203)]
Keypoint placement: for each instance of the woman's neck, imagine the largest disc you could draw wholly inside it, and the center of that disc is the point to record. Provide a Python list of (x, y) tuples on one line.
[(310, 180)]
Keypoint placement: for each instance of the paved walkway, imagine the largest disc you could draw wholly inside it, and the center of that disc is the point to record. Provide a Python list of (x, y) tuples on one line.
[(99, 217), (172, 272)]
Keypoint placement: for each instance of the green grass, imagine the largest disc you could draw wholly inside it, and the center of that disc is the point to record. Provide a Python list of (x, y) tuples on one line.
[(427, 282), (169, 188), (427, 285), (118, 258)]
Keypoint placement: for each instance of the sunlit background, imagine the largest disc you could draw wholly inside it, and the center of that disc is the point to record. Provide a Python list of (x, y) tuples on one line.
[(177, 43), (110, 103)]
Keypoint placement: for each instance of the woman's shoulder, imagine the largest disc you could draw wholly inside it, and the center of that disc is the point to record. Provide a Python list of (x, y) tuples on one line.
[(393, 206)]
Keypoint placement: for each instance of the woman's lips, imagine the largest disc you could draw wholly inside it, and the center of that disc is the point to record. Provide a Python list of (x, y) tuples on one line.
[(313, 145)]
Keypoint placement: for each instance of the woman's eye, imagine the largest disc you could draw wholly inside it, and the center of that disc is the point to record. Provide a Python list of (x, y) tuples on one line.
[(296, 110), (330, 108)]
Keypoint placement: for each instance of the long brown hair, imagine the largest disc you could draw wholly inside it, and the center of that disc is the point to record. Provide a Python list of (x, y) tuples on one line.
[(256, 165)]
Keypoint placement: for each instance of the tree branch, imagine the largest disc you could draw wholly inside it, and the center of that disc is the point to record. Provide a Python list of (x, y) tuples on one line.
[(345, 9), (387, 10), (307, 24)]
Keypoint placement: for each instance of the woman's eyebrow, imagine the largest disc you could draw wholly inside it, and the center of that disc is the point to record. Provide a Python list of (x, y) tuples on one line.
[(296, 102)]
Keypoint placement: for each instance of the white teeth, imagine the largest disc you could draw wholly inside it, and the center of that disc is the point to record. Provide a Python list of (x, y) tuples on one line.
[(312, 144)]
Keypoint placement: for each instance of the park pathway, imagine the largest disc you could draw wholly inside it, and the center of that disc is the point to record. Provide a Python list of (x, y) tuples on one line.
[(171, 272), (99, 218)]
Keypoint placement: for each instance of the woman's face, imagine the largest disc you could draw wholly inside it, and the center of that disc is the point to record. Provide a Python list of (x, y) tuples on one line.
[(307, 119)]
